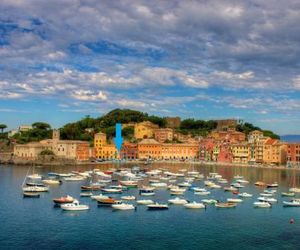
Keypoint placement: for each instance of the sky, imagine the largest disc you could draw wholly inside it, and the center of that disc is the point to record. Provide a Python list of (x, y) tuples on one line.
[(64, 59)]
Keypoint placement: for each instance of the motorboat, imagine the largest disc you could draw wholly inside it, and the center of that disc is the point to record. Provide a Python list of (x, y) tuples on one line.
[(215, 186), (123, 206), (144, 202), (63, 200), (238, 177), (74, 178), (129, 183), (230, 189), (74, 206), (194, 205), (198, 189), (93, 187), (35, 189), (178, 201), (262, 204), (260, 184), (245, 195), (242, 181), (225, 205), (266, 195), (128, 198), (267, 199), (34, 177), (233, 200), (209, 201), (202, 193), (98, 197), (51, 181), (184, 184), (294, 190), (35, 184), (237, 185), (272, 185), (270, 191), (288, 194), (292, 203), (107, 201), (147, 191), (31, 195), (157, 206), (112, 190), (159, 185), (177, 191), (86, 194)]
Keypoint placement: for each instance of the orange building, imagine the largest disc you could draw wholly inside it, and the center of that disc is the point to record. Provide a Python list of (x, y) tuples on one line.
[(129, 151), (149, 149), (293, 153), (163, 134), (83, 151), (231, 136), (179, 151), (274, 152)]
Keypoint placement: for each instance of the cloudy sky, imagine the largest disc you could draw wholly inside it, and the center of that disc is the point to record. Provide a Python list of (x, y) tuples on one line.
[(64, 59)]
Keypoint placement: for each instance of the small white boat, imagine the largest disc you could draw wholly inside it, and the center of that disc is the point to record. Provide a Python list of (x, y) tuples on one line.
[(198, 189), (184, 184), (112, 190), (262, 204), (35, 177), (177, 191), (242, 181), (209, 201), (74, 178), (237, 185), (128, 198), (157, 206), (35, 189), (178, 201), (222, 181), (202, 193), (292, 203), (129, 183), (294, 190), (159, 185), (245, 195), (194, 205), (267, 199), (215, 186), (238, 177), (98, 197), (234, 200), (288, 194), (51, 182), (209, 183), (230, 189), (272, 185), (265, 195), (75, 206), (270, 191), (86, 194), (144, 202), (123, 206)]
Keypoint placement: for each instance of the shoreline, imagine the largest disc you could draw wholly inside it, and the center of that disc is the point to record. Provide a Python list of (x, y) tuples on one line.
[(138, 162)]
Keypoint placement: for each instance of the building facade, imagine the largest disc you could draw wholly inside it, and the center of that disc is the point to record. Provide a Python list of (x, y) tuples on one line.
[(274, 152), (163, 134), (293, 153), (179, 151), (144, 130), (240, 153), (149, 149)]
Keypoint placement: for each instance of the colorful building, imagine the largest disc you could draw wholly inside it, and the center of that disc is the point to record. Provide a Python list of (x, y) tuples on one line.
[(129, 151), (206, 147), (240, 153), (163, 134), (179, 151), (149, 149), (274, 152), (230, 136), (103, 150), (144, 130), (293, 153)]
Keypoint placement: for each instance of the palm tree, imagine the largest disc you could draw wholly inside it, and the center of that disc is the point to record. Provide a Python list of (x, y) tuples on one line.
[(2, 127)]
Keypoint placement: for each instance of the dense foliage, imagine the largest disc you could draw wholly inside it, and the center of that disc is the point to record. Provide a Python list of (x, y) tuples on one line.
[(39, 131), (248, 127), (47, 152)]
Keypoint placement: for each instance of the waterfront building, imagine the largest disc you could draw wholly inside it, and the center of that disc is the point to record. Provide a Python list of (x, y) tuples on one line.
[(216, 151), (129, 151), (163, 134), (69, 149), (293, 153), (179, 151), (255, 135), (240, 152), (225, 154), (103, 150), (173, 122), (274, 152), (149, 149), (206, 147), (144, 130)]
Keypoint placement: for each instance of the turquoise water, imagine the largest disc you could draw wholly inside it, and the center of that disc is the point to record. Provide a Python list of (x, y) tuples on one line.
[(37, 224)]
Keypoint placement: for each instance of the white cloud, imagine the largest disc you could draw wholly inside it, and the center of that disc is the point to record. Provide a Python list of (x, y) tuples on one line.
[(87, 95)]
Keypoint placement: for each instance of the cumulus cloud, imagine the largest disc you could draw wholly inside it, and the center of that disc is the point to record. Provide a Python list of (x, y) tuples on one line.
[(87, 95)]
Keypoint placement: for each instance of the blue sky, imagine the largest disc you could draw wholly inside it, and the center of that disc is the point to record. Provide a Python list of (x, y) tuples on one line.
[(64, 59)]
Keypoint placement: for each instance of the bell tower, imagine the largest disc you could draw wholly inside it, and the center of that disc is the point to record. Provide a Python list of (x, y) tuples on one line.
[(56, 135)]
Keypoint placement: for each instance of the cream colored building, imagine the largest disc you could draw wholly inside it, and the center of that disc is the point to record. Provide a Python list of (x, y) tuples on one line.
[(240, 152), (274, 152), (144, 130)]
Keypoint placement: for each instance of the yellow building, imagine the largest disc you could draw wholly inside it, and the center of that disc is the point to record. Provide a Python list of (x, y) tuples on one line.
[(274, 152), (240, 152), (103, 150), (149, 149), (179, 151), (144, 130)]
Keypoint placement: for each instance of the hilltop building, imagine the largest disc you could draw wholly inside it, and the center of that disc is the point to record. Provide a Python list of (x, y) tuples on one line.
[(173, 122), (163, 134), (143, 130)]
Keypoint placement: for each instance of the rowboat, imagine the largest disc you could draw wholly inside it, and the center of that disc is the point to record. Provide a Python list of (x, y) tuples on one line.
[(225, 205)]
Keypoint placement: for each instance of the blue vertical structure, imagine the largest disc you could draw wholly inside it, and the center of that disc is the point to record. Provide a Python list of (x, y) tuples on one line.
[(118, 139)]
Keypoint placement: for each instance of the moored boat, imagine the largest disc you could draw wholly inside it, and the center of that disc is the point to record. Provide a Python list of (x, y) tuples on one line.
[(36, 189), (128, 197), (225, 205), (292, 203), (144, 202), (259, 183), (74, 206), (123, 206), (107, 201), (178, 201), (51, 181), (267, 199), (233, 200), (31, 195), (157, 206), (288, 194), (64, 199), (194, 205), (93, 187), (262, 204), (245, 195)]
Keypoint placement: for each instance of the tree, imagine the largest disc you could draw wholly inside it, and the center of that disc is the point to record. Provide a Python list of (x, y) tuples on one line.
[(41, 125), (47, 152), (2, 127)]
